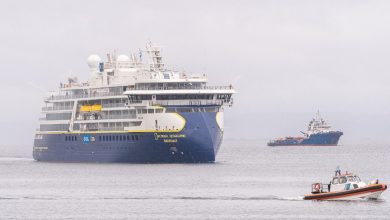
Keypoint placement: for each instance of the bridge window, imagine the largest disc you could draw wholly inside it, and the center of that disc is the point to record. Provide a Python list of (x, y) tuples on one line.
[(184, 96), (139, 98)]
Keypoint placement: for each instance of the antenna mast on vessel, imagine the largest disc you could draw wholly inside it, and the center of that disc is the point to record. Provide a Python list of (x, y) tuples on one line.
[(155, 58)]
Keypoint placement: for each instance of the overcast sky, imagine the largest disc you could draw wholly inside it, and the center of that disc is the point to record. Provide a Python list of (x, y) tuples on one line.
[(287, 59)]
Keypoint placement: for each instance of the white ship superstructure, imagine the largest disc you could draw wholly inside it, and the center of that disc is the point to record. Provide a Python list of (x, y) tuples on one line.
[(318, 125)]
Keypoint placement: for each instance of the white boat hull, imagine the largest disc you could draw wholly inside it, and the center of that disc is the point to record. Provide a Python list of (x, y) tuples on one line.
[(372, 191), (369, 195)]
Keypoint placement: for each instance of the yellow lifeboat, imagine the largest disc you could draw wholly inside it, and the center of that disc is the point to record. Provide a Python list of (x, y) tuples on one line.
[(85, 108), (96, 108), (91, 108)]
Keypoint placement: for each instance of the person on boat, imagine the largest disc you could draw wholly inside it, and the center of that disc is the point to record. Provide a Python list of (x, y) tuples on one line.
[(338, 171), (329, 186)]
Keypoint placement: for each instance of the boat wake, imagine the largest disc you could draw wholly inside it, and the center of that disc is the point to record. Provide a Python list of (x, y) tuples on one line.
[(268, 197), (231, 198), (16, 159)]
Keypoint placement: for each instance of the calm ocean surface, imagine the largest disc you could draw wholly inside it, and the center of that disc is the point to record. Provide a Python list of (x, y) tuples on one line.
[(248, 181)]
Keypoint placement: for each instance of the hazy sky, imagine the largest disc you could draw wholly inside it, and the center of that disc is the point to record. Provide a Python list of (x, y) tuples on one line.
[(287, 59)]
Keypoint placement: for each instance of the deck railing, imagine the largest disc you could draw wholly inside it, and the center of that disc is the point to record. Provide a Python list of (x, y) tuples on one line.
[(103, 94), (52, 108), (95, 94), (113, 105), (184, 88)]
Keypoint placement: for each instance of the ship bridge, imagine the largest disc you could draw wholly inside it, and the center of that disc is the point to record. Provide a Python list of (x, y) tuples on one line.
[(204, 96)]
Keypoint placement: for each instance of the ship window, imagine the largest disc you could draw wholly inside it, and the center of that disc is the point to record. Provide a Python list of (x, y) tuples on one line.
[(109, 137), (159, 110), (212, 109), (144, 111), (136, 137), (104, 138), (355, 186), (120, 138), (336, 180), (128, 137), (132, 137), (343, 179), (100, 138), (351, 179), (75, 138), (116, 138), (169, 110), (66, 138), (184, 109)]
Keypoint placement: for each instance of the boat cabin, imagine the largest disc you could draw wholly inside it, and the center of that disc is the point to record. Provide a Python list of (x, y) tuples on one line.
[(340, 182), (345, 182)]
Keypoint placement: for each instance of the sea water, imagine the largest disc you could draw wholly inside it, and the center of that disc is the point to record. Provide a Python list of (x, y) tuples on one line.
[(248, 181)]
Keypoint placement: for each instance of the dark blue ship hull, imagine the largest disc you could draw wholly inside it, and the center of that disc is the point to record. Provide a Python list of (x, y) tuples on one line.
[(327, 139), (199, 141), (331, 138)]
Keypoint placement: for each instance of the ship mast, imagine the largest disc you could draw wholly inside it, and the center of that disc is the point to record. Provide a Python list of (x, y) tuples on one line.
[(155, 57)]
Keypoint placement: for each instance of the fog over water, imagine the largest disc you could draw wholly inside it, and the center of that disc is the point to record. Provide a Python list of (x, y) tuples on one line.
[(286, 59)]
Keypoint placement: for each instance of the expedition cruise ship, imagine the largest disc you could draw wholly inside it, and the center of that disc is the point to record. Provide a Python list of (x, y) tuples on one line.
[(133, 111)]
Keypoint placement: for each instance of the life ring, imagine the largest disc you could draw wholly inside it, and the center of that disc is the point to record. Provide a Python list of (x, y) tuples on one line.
[(317, 187)]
